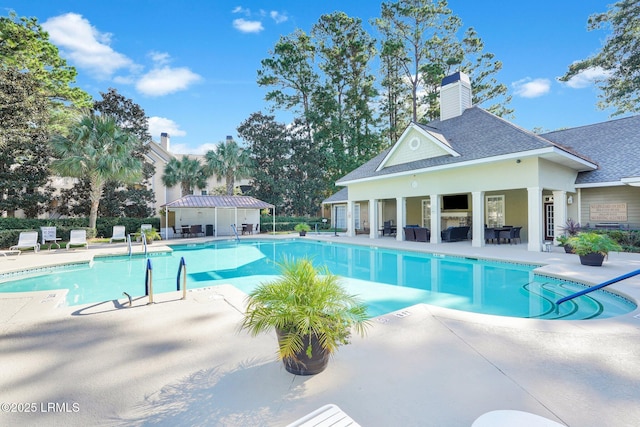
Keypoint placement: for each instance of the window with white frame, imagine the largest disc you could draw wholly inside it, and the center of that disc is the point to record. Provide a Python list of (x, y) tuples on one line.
[(426, 213), (494, 211), (356, 215)]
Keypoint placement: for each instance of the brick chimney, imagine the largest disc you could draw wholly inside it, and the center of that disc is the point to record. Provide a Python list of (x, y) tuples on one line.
[(164, 140), (455, 95)]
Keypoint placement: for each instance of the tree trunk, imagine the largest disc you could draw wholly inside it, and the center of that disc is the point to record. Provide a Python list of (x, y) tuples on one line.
[(94, 196)]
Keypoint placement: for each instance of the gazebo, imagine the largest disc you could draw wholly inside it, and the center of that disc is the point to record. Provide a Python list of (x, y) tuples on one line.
[(215, 215)]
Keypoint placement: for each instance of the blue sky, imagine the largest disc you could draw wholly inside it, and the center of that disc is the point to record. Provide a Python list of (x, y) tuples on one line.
[(191, 65)]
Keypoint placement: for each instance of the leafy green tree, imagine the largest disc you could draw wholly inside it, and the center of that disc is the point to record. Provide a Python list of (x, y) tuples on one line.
[(187, 172), (289, 73), (270, 151), (100, 150), (420, 38), (137, 198), (24, 153), (343, 117), (230, 161), (619, 58), (26, 46)]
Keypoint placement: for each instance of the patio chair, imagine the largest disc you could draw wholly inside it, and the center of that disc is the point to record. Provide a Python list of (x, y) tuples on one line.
[(196, 230), (176, 231), (118, 233), (78, 238), (410, 234), (422, 234), (27, 240), (514, 234), (489, 234)]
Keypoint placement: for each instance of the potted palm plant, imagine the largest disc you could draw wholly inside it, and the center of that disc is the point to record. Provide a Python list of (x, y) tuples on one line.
[(302, 228), (592, 248), (310, 312), (150, 234), (570, 229)]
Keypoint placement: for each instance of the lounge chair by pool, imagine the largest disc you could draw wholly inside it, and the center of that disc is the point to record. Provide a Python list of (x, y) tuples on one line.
[(27, 240), (78, 238)]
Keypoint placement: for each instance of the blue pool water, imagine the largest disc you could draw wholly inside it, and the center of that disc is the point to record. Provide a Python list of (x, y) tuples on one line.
[(386, 280)]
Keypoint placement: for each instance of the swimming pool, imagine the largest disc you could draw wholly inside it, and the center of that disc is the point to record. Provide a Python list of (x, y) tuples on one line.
[(387, 280)]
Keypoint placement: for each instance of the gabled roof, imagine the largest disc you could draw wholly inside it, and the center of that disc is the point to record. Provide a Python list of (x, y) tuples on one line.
[(193, 201), (342, 196), (477, 136), (410, 145), (614, 145)]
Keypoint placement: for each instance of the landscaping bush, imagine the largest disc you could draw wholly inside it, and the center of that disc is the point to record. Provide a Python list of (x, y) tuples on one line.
[(288, 223)]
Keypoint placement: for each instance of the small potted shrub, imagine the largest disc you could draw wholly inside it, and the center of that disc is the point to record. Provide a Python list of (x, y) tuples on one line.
[(302, 228), (150, 234), (592, 248), (310, 312), (570, 229)]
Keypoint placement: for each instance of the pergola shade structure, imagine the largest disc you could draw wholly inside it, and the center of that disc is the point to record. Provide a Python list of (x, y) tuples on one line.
[(217, 215)]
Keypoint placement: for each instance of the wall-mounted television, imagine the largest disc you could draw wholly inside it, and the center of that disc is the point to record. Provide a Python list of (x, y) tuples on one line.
[(455, 202)]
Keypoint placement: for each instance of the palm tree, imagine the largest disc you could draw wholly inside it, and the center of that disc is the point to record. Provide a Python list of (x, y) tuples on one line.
[(230, 161), (188, 172), (97, 148)]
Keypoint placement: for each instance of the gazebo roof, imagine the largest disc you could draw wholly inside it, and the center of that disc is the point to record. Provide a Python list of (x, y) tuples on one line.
[(193, 201)]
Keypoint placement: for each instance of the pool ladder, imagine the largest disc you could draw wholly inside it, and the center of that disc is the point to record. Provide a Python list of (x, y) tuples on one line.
[(148, 281), (596, 287), (235, 231)]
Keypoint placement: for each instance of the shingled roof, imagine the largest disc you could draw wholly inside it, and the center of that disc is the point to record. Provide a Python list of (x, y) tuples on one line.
[(476, 134), (243, 202), (613, 145)]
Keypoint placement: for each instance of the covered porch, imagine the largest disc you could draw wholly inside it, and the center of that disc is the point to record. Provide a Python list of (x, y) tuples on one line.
[(198, 216)]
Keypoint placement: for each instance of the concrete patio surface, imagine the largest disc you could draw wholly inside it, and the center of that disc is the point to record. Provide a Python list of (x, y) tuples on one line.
[(185, 362)]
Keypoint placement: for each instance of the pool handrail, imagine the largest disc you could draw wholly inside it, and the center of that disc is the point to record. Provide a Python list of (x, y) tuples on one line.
[(235, 231), (148, 282), (596, 287), (181, 268)]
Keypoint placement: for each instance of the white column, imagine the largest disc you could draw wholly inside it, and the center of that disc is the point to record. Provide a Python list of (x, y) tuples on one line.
[(373, 218), (534, 203), (401, 213), (351, 223), (435, 218), (477, 224), (559, 211)]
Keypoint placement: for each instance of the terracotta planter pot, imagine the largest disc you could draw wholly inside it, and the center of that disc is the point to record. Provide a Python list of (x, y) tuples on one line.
[(302, 364), (593, 259)]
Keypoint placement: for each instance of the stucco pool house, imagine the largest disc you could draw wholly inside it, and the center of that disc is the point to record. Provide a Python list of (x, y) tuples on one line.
[(472, 168)]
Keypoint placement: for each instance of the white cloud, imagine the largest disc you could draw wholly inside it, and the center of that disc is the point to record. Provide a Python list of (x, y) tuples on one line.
[(158, 125), (160, 58), (278, 17), (166, 80), (240, 9), (587, 77), (245, 26), (531, 88), (85, 46)]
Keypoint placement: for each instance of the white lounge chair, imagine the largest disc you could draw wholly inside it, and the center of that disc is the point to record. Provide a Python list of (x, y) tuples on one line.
[(118, 233), (327, 415), (78, 238), (27, 239)]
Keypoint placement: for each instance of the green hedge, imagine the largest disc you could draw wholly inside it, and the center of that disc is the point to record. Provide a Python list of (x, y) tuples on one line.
[(287, 223), (10, 228)]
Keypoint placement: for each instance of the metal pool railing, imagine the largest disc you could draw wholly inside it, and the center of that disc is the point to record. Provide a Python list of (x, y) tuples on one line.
[(596, 287)]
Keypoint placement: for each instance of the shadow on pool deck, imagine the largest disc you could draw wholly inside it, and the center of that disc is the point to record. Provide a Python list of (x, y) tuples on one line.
[(186, 362)]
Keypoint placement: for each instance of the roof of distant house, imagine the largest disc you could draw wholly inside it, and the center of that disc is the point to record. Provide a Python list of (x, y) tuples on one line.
[(194, 201)]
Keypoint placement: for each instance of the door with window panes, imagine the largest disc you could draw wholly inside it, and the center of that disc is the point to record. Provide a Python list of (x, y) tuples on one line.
[(494, 211)]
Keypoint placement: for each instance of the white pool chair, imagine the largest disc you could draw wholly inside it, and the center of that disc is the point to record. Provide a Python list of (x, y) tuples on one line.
[(78, 238), (27, 239), (327, 415), (10, 252), (118, 233)]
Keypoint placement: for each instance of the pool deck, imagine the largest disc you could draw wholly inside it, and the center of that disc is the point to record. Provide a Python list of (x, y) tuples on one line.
[(185, 362)]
